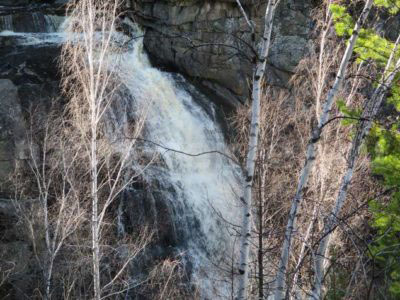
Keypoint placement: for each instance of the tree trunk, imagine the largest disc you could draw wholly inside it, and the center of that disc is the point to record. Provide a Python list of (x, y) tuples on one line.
[(261, 232), (295, 287), (94, 106), (252, 152), (310, 155)]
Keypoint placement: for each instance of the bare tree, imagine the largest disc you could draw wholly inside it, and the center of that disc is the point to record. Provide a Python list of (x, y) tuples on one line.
[(53, 212), (259, 71), (6, 269), (53, 176), (372, 106), (86, 81), (310, 155), (91, 82)]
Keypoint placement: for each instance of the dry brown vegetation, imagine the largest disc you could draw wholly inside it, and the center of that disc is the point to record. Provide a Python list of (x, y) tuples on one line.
[(286, 119)]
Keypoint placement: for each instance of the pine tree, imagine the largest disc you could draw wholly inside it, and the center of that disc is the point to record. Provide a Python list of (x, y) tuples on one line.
[(384, 147)]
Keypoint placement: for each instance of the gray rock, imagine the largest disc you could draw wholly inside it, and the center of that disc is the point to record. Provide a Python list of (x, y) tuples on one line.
[(12, 129), (208, 41)]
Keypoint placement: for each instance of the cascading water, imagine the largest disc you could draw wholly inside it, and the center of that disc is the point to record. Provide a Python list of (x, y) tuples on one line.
[(191, 144), (53, 22), (40, 29), (206, 186), (6, 23), (32, 22)]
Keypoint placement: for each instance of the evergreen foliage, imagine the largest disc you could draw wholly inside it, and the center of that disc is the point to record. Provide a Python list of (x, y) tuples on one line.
[(370, 45), (384, 147)]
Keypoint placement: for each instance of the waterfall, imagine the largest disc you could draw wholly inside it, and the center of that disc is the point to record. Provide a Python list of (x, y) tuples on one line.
[(44, 30), (207, 185), (6, 23), (35, 22), (180, 124), (53, 22)]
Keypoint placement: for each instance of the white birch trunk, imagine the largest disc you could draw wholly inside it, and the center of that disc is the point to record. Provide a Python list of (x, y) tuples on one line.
[(245, 15), (94, 183), (95, 225), (252, 152), (94, 104), (295, 287), (48, 278), (310, 155), (372, 109)]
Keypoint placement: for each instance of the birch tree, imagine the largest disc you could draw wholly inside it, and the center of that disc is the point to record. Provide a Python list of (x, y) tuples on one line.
[(85, 63), (310, 154), (91, 82), (259, 71), (54, 206), (68, 217), (372, 106)]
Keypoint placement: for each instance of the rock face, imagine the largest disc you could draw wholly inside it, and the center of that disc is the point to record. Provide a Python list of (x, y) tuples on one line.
[(28, 85), (209, 41), (12, 129)]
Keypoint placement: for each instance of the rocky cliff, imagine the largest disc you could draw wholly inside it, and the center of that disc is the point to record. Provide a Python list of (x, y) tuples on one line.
[(28, 74), (209, 41)]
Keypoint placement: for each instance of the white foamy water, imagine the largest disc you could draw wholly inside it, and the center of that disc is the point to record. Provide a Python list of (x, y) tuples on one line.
[(208, 184), (34, 39), (50, 29)]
